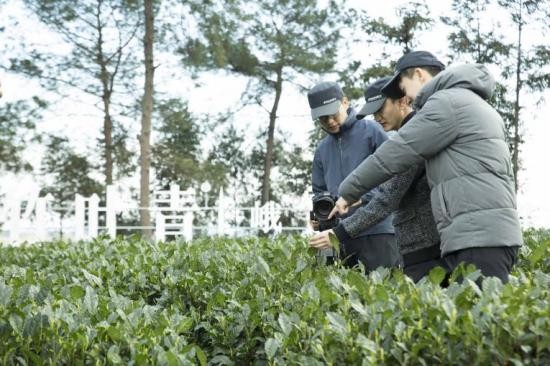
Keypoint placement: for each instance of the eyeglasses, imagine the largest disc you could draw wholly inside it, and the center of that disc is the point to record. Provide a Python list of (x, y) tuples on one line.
[(325, 119)]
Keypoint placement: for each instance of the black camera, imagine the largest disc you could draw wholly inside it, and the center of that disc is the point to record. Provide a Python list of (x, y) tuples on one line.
[(323, 203)]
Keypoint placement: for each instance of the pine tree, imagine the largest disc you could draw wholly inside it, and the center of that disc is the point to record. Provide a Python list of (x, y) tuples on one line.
[(17, 131), (68, 173), (176, 150), (393, 41), (95, 58), (529, 65), (270, 42), (474, 39)]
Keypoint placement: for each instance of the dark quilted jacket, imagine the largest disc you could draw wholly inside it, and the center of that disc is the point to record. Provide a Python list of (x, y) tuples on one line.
[(406, 195)]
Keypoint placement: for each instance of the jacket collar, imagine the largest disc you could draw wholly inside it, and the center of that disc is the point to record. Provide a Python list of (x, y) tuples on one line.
[(348, 123), (408, 118), (474, 77)]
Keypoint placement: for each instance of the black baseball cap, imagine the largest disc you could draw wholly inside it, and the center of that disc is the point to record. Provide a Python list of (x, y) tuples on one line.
[(412, 59), (374, 99), (325, 99)]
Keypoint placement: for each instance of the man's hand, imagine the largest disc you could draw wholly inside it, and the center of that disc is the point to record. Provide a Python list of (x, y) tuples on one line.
[(321, 240), (314, 225), (341, 206)]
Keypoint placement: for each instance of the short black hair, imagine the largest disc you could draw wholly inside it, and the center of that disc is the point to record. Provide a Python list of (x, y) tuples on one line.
[(432, 70)]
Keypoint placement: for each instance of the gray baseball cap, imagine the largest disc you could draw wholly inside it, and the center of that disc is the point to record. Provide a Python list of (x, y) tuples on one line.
[(374, 99), (324, 99)]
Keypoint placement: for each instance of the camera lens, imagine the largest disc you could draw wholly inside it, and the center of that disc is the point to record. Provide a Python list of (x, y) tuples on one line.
[(323, 208)]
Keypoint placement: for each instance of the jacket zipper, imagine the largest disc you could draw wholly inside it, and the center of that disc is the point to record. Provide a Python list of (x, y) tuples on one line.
[(341, 159)]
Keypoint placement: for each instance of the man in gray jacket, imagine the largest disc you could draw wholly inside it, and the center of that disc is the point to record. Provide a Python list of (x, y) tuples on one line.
[(462, 139), (407, 195)]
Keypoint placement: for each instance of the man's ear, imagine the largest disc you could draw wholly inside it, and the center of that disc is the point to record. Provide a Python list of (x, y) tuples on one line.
[(423, 75), (404, 101), (345, 101)]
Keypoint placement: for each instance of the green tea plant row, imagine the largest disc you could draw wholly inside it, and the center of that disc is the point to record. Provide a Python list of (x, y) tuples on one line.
[(259, 301)]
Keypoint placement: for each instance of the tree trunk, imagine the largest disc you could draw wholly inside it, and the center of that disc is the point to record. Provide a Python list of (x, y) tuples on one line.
[(266, 180), (517, 138), (108, 137), (147, 111), (478, 33), (106, 97)]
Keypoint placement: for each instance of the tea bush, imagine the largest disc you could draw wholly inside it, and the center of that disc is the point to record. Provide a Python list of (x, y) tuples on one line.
[(259, 301)]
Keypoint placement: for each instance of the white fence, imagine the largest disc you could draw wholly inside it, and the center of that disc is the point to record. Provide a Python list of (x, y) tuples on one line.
[(174, 213)]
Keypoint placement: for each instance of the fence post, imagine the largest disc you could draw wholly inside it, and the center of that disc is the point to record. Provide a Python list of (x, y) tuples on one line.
[(188, 226), (93, 208), (79, 217), (40, 222), (31, 204), (110, 211), (14, 217), (159, 227), (174, 196), (254, 216), (221, 213)]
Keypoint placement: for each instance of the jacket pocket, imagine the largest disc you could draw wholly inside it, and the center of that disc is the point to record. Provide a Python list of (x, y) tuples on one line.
[(443, 203), (441, 207)]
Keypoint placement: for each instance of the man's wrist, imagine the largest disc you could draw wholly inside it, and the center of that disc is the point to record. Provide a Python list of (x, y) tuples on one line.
[(341, 233)]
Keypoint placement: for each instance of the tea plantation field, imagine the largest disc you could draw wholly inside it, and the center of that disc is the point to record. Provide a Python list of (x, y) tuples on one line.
[(259, 301)]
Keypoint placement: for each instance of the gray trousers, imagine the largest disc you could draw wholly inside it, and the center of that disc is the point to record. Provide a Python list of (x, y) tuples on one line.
[(378, 250)]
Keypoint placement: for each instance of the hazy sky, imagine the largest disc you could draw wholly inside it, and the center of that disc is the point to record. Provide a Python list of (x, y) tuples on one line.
[(218, 92)]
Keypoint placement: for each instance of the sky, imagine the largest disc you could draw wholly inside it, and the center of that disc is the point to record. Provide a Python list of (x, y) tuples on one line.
[(217, 92)]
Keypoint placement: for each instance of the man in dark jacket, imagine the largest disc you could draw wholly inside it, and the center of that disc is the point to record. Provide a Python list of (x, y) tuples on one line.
[(462, 139), (348, 143), (407, 195)]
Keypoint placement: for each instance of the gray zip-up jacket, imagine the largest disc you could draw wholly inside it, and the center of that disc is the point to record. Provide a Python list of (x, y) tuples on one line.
[(407, 195), (461, 138)]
